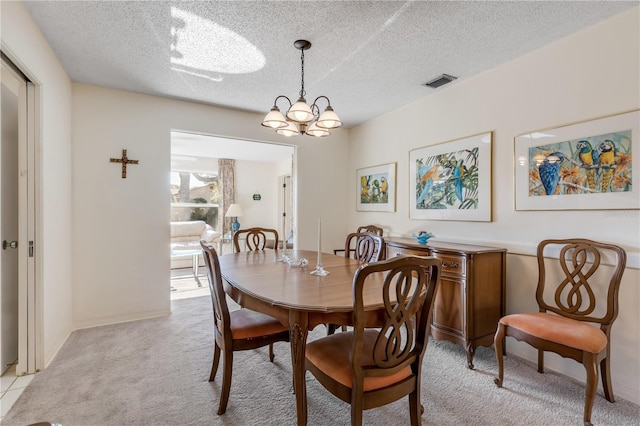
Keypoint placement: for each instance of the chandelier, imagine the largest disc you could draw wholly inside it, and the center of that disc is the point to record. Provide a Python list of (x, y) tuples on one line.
[(302, 118)]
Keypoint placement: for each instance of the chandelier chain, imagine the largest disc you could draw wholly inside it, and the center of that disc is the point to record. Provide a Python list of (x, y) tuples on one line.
[(302, 92)]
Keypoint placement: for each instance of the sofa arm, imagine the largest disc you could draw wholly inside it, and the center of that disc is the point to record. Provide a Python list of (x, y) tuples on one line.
[(209, 234)]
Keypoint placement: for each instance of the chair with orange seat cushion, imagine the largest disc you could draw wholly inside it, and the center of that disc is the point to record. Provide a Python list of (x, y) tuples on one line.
[(365, 247), (380, 360), (255, 238), (237, 330), (373, 229), (585, 294)]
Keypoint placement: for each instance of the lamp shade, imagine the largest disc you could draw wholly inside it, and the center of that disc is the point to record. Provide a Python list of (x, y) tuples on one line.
[(300, 112), (234, 211), (316, 131), (290, 130), (274, 119), (329, 119)]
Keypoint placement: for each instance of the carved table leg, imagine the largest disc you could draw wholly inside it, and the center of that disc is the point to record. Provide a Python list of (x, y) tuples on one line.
[(299, 331)]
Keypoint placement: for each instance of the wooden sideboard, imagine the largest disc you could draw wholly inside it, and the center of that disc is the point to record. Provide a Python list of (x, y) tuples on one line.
[(471, 296)]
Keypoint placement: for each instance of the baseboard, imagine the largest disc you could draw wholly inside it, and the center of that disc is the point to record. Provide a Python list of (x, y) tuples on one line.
[(96, 322), (48, 357)]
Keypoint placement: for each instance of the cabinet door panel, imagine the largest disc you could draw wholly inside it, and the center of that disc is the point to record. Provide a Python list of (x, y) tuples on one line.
[(448, 308)]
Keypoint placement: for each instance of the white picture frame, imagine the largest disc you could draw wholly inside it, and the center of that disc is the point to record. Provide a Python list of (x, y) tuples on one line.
[(555, 168), (452, 180), (376, 188)]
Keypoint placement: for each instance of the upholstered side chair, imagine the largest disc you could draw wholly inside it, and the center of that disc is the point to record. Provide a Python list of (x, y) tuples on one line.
[(379, 362), (237, 330), (255, 238), (571, 296), (362, 246), (361, 229)]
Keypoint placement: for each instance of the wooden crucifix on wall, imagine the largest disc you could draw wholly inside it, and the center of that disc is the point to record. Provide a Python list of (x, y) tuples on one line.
[(124, 160)]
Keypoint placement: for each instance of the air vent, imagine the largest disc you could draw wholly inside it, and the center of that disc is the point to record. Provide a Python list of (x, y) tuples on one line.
[(440, 81)]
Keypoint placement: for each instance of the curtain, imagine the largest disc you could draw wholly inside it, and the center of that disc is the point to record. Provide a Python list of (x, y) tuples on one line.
[(227, 187)]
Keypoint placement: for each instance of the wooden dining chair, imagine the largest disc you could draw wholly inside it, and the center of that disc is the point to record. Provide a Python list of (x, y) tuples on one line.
[(362, 246), (584, 294), (369, 367), (255, 238), (237, 330), (365, 228)]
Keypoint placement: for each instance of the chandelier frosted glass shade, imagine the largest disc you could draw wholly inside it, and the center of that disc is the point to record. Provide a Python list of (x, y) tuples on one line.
[(300, 117), (317, 131), (275, 119), (329, 119), (300, 112), (290, 130)]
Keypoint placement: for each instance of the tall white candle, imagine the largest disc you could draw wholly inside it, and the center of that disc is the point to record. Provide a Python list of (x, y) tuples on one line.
[(319, 235)]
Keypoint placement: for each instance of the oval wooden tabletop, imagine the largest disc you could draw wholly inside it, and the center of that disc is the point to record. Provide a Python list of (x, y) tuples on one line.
[(260, 275)]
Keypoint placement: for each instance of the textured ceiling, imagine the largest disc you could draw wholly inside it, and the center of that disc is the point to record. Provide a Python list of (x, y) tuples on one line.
[(367, 57)]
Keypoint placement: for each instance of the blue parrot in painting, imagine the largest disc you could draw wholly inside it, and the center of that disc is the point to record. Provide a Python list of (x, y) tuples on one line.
[(589, 158), (458, 172), (607, 161), (549, 170), (427, 174)]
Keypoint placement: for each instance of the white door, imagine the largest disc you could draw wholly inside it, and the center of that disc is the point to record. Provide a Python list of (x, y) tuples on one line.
[(12, 89)]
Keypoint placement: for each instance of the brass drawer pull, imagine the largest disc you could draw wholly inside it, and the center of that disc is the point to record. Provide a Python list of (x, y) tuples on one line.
[(450, 264)]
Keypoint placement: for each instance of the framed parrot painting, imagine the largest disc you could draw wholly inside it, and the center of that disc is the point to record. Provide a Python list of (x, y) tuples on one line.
[(452, 180), (583, 166), (376, 188)]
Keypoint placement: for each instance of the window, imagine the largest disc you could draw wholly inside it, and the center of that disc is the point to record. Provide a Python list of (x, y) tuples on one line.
[(194, 196)]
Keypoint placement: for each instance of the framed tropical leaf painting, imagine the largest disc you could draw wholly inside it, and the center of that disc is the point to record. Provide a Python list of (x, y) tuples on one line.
[(452, 180), (584, 166)]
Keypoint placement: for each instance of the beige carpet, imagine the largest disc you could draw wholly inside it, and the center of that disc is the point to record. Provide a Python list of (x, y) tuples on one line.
[(154, 372)]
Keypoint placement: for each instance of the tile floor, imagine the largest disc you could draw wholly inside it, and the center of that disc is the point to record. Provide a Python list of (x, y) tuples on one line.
[(12, 387)]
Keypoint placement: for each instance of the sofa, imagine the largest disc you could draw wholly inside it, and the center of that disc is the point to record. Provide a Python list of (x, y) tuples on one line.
[(186, 236)]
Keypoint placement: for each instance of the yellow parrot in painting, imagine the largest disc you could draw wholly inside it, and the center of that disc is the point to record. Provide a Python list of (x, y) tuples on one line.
[(589, 158), (364, 188), (607, 162)]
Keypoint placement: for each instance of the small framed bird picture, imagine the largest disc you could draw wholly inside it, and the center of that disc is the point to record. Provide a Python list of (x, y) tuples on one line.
[(452, 180), (376, 188), (583, 166)]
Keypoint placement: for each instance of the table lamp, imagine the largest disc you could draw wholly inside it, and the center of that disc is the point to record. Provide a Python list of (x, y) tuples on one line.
[(235, 211)]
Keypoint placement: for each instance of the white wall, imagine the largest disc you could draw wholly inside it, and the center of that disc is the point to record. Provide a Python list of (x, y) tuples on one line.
[(27, 48), (587, 75), (256, 177), (121, 226)]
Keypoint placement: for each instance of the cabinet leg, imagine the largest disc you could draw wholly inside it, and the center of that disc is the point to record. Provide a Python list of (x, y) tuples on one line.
[(471, 351)]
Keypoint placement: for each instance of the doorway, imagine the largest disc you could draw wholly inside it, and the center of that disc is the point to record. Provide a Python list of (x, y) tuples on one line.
[(20, 343), (259, 170)]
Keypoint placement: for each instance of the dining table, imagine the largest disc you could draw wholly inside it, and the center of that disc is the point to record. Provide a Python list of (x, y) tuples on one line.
[(259, 280)]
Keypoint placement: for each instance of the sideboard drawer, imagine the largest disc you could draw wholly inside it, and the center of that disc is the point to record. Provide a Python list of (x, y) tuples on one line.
[(452, 265), (393, 251)]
